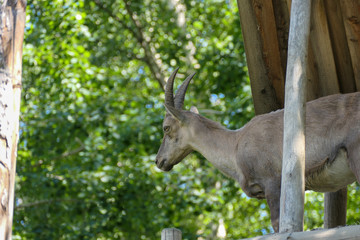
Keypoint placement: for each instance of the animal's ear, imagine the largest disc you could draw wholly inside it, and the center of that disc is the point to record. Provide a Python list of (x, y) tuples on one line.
[(194, 110), (176, 113)]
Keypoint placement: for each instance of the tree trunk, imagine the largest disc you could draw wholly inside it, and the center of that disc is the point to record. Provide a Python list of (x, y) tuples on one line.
[(12, 25)]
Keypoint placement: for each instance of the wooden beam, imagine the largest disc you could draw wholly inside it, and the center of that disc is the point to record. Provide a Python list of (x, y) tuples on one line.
[(342, 233), (322, 49), (254, 30), (335, 208), (282, 19), (293, 168), (313, 90), (265, 17), (344, 69), (351, 19)]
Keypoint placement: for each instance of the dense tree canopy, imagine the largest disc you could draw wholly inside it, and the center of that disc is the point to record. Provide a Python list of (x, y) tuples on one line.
[(92, 108)]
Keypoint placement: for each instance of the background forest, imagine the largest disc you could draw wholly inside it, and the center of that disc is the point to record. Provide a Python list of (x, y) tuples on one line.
[(92, 109)]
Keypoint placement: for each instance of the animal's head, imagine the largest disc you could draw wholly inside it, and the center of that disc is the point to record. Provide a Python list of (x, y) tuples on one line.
[(175, 145)]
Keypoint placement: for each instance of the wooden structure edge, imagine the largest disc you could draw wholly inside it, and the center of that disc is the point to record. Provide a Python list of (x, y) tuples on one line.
[(340, 233)]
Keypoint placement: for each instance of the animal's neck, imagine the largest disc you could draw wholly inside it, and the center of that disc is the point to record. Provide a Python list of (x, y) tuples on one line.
[(217, 145)]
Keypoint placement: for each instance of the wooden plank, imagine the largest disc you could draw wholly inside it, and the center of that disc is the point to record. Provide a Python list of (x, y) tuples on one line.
[(340, 47), (282, 19), (313, 90), (322, 49), (343, 233), (267, 28), (351, 19), (293, 167), (264, 95)]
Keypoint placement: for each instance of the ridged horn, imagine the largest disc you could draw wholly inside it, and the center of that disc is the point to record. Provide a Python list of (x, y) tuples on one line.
[(169, 91), (180, 93)]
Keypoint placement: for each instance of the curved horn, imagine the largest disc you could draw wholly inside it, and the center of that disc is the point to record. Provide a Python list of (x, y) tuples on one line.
[(180, 93), (169, 92)]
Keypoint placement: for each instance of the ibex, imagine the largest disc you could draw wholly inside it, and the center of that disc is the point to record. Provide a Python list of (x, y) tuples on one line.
[(252, 155)]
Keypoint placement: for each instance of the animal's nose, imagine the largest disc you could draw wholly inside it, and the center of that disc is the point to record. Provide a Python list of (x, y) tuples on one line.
[(160, 162)]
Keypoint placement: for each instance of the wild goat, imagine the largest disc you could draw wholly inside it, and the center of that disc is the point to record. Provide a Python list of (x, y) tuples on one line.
[(252, 155)]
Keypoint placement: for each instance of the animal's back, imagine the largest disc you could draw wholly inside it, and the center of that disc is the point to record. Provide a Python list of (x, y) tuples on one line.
[(332, 125)]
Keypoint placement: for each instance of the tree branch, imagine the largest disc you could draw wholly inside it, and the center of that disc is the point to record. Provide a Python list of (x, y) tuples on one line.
[(149, 58), (155, 68), (66, 153), (122, 23), (135, 21), (69, 153), (47, 201)]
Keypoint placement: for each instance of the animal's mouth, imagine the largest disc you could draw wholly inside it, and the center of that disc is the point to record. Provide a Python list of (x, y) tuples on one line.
[(164, 166), (167, 168)]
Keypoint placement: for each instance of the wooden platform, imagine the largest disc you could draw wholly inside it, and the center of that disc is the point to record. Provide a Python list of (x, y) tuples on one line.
[(341, 233)]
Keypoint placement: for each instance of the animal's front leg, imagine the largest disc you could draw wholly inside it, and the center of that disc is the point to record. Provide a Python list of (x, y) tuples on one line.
[(272, 195)]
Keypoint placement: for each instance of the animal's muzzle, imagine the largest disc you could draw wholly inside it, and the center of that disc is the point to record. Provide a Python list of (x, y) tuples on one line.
[(161, 164)]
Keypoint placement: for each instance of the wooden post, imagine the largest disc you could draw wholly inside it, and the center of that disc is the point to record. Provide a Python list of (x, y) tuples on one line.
[(12, 26), (335, 208), (171, 234), (293, 168)]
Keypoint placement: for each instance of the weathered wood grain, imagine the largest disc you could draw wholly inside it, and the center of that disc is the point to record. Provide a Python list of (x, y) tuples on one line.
[(264, 94), (343, 233), (282, 19), (351, 19), (335, 208), (321, 46), (340, 47), (293, 167), (265, 18), (171, 234)]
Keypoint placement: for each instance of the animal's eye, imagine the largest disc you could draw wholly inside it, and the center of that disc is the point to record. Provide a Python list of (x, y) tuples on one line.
[(166, 128)]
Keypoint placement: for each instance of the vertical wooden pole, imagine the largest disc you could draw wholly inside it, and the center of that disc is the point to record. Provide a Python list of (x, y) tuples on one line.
[(335, 208), (171, 234), (12, 26), (293, 168)]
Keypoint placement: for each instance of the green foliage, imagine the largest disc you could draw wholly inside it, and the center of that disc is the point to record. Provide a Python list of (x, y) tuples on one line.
[(91, 122)]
